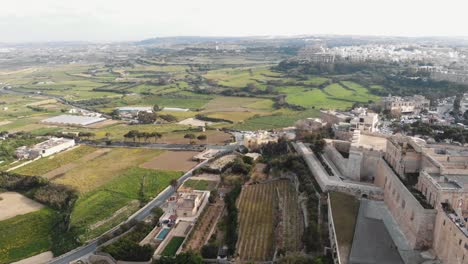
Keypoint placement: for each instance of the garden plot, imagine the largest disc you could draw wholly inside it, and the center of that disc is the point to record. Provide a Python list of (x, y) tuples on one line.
[(13, 204), (269, 218)]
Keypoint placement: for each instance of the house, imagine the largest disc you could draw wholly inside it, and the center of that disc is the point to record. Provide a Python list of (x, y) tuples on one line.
[(254, 140), (188, 203), (44, 149), (310, 124), (405, 105), (366, 122)]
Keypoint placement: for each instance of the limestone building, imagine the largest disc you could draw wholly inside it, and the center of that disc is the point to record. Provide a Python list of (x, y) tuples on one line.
[(405, 105)]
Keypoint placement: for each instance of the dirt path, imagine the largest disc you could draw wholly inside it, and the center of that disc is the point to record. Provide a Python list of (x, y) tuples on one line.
[(37, 259), (13, 204)]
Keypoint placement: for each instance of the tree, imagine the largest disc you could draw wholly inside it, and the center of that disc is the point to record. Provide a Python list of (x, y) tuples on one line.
[(213, 196), (156, 108), (156, 136), (168, 118), (182, 258), (202, 137), (190, 137), (238, 166), (209, 251), (174, 183), (146, 118), (87, 135), (132, 134)]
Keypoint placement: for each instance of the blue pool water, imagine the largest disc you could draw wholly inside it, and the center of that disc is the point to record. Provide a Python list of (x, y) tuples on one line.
[(162, 234)]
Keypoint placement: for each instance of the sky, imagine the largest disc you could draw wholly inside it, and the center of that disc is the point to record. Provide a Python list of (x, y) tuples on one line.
[(123, 20)]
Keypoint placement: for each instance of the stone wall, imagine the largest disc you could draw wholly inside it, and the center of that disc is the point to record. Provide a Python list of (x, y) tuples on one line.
[(361, 165), (369, 164), (450, 243), (328, 183), (344, 165), (416, 222)]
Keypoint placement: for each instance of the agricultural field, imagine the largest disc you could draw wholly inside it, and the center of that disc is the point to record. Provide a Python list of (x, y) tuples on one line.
[(108, 205), (206, 223), (172, 160), (110, 182), (26, 235), (278, 119), (240, 77), (47, 164), (260, 211)]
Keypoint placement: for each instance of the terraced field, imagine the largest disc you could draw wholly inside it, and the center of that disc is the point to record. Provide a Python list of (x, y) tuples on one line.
[(266, 210)]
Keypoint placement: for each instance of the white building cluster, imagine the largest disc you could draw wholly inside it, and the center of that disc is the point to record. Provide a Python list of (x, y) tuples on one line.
[(44, 149)]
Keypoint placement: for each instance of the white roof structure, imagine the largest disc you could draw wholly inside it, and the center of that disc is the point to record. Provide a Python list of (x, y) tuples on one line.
[(135, 108), (175, 109), (73, 120)]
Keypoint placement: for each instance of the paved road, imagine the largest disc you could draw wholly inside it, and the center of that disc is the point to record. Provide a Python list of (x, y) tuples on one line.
[(139, 215)]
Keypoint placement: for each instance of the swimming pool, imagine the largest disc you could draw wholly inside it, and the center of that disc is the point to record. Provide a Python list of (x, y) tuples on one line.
[(162, 234)]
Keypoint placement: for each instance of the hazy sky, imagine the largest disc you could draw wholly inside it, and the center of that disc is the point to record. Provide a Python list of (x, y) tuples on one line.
[(111, 20)]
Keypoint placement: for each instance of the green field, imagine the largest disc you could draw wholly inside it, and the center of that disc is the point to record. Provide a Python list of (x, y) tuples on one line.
[(240, 77), (26, 235), (109, 181), (334, 96), (278, 120), (172, 246), (201, 185), (99, 204)]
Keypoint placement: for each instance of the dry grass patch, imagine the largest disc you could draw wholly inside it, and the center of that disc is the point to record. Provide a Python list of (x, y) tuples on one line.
[(172, 161), (98, 171)]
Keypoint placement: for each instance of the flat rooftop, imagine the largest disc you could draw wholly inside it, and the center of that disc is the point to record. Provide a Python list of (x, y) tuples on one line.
[(73, 120), (375, 142), (135, 108), (51, 143)]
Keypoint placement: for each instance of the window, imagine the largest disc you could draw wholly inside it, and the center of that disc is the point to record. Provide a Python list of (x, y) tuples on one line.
[(403, 204)]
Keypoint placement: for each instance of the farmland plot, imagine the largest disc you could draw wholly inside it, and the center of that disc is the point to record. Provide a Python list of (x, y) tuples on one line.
[(266, 210)]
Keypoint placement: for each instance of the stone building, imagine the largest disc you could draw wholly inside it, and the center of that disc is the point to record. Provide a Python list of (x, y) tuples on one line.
[(310, 124), (405, 105), (188, 203), (425, 187)]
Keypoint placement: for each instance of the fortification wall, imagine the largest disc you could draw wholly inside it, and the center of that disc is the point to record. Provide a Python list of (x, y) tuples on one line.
[(450, 243), (416, 222), (328, 183)]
